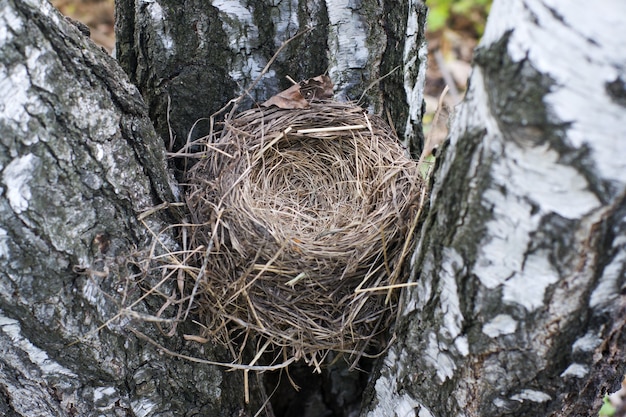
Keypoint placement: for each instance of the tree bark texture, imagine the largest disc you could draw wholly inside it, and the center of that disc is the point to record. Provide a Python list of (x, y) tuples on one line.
[(520, 272), (79, 160), (191, 57)]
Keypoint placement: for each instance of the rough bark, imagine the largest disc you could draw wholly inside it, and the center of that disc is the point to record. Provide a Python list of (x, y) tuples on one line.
[(79, 160), (192, 57), (519, 305)]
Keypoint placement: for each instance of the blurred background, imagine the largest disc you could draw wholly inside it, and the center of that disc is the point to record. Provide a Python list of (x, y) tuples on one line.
[(97, 14), (453, 31)]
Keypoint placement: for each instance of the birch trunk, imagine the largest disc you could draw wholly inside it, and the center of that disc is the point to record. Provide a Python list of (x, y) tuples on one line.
[(518, 308), (79, 161)]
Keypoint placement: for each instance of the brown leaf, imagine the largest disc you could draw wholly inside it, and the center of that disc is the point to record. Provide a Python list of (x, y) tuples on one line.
[(299, 96), (290, 98)]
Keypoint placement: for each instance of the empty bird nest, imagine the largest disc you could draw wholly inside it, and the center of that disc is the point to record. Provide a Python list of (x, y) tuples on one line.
[(302, 222)]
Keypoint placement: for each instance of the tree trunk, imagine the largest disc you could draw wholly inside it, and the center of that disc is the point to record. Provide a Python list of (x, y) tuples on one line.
[(189, 58), (519, 306), (79, 160)]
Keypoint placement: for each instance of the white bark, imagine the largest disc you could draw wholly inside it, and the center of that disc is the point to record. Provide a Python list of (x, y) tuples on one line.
[(518, 272)]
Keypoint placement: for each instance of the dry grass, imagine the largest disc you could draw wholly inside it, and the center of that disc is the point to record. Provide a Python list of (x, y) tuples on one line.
[(301, 221)]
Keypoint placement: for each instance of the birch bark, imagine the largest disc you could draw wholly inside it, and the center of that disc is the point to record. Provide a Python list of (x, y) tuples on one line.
[(518, 307), (79, 161), (519, 302)]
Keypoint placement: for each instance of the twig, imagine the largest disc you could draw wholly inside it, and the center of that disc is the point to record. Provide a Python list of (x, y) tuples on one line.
[(376, 81), (385, 287), (231, 366), (428, 146), (447, 76), (169, 126), (330, 129), (234, 102)]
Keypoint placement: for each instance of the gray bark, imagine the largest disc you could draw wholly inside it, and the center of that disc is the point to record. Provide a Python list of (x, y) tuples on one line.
[(79, 160), (521, 268)]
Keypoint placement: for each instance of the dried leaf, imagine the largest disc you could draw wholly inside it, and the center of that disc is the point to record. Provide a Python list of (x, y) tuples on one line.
[(299, 96), (291, 98)]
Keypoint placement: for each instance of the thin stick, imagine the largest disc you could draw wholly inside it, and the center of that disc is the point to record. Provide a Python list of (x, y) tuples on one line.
[(267, 405), (231, 366), (246, 387), (265, 69), (330, 129), (207, 255), (409, 241), (276, 139), (376, 81), (428, 147), (125, 310), (152, 210), (447, 76), (273, 58), (184, 154), (169, 126), (385, 287), (235, 101)]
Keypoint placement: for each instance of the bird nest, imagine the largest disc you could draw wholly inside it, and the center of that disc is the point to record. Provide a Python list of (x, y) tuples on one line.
[(302, 222)]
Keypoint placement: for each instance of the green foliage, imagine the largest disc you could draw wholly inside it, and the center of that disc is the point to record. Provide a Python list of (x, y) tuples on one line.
[(426, 168), (437, 15), (607, 410), (441, 11)]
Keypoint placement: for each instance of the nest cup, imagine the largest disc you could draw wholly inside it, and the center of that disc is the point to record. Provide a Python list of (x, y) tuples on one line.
[(302, 222)]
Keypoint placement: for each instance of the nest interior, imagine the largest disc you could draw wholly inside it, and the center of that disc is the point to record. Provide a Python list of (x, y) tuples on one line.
[(302, 220)]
